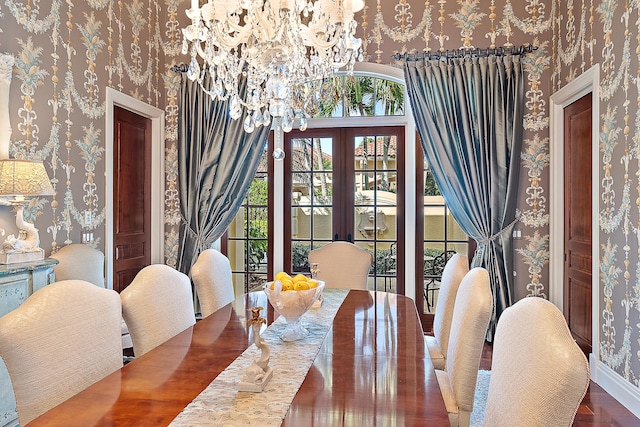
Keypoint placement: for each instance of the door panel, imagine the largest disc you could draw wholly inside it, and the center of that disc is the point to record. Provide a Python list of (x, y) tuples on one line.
[(343, 184), (132, 196), (577, 220)]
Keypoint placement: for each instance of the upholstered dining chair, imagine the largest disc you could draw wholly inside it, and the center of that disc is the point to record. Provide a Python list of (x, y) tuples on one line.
[(433, 270), (539, 375), (469, 323), (211, 275), (342, 265), (78, 261), (62, 339), (454, 271), (157, 305)]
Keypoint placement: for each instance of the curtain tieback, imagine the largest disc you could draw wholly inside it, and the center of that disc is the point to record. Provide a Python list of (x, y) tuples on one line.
[(201, 241), (490, 239), (482, 244)]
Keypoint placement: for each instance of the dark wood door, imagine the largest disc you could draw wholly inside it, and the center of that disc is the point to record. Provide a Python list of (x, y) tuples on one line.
[(577, 220), (131, 196), (347, 184)]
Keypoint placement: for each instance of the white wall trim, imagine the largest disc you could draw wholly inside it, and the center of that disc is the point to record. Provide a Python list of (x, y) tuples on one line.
[(586, 83), (113, 98), (619, 388)]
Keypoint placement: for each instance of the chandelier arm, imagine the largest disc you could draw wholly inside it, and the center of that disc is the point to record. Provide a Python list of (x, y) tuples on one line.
[(310, 39), (200, 50), (265, 27), (230, 42)]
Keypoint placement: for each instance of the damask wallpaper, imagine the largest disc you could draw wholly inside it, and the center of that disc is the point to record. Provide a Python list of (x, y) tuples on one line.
[(67, 52)]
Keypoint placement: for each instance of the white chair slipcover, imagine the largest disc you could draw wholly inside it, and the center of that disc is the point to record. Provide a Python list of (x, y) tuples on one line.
[(78, 261), (62, 339), (213, 280), (471, 315), (539, 375), (157, 305), (342, 265), (452, 275)]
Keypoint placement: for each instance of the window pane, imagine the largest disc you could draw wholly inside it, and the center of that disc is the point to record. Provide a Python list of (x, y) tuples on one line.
[(299, 257), (389, 98), (331, 97), (454, 232), (248, 234), (442, 237), (359, 96), (434, 214), (356, 96), (311, 223), (364, 182)]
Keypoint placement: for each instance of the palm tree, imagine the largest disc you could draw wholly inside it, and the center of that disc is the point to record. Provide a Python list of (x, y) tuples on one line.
[(358, 96), (392, 96), (320, 167)]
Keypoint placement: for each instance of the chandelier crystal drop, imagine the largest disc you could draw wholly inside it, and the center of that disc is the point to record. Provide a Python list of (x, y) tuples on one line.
[(284, 48)]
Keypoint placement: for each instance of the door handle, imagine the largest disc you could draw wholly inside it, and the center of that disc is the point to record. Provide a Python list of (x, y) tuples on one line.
[(349, 238), (335, 237)]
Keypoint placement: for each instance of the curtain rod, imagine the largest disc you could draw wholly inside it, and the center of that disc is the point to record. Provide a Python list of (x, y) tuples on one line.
[(460, 53), (180, 68)]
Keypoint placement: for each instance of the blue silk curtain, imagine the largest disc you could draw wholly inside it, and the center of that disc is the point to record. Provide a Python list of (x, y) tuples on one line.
[(217, 160), (469, 111)]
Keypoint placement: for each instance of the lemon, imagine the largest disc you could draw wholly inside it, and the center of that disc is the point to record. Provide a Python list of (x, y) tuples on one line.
[(287, 284), (301, 285), (281, 275), (313, 283), (299, 278)]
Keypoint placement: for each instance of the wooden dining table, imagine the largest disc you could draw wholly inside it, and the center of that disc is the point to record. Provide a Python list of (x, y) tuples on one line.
[(371, 370)]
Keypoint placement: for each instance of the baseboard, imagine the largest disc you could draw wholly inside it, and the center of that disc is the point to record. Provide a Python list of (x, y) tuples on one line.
[(623, 391)]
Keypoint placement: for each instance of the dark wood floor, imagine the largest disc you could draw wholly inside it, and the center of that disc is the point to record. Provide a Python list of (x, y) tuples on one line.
[(597, 409)]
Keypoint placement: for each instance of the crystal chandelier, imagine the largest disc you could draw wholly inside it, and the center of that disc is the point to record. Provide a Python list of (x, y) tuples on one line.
[(282, 47)]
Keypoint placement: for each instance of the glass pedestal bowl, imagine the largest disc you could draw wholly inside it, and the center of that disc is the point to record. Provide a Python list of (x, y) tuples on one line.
[(292, 305)]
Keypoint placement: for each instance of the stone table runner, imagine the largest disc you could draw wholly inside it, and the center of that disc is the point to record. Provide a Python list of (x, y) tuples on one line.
[(221, 404)]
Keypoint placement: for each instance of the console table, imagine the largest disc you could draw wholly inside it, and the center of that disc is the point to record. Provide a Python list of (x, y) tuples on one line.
[(17, 282)]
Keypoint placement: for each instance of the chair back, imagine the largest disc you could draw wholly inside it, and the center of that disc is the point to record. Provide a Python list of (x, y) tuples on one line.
[(78, 261), (539, 375), (157, 305), (454, 271), (471, 314), (213, 280), (342, 265), (62, 339)]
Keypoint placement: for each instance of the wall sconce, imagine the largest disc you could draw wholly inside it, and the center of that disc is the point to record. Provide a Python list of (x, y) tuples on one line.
[(20, 181)]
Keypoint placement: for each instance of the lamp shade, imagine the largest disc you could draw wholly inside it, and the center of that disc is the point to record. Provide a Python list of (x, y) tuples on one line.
[(20, 179)]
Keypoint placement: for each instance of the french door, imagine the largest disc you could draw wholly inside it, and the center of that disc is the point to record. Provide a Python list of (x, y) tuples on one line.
[(438, 237), (346, 184)]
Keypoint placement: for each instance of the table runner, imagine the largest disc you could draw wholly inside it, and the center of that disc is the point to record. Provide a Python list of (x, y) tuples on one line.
[(221, 404)]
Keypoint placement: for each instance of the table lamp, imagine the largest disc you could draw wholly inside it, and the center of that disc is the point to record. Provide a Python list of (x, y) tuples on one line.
[(20, 181)]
